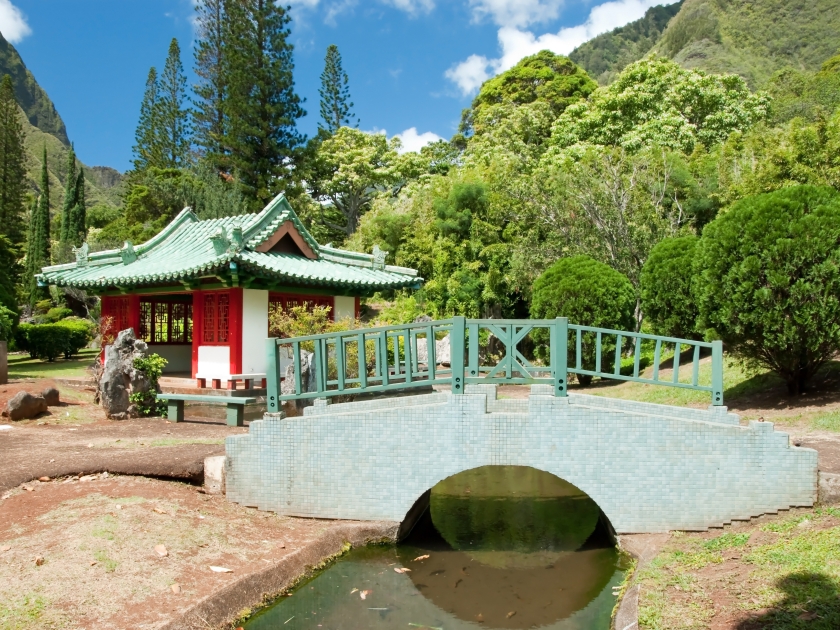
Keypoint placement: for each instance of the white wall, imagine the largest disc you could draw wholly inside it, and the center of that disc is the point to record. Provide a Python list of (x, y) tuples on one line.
[(345, 307), (254, 331), (179, 357), (213, 362)]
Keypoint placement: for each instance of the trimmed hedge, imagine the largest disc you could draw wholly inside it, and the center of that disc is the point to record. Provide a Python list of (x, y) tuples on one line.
[(49, 341)]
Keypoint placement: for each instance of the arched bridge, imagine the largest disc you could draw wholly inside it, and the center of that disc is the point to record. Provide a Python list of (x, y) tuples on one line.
[(649, 467)]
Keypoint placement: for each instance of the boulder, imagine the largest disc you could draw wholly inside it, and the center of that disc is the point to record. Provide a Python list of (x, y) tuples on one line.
[(24, 405), (307, 378), (442, 351), (51, 395), (118, 379)]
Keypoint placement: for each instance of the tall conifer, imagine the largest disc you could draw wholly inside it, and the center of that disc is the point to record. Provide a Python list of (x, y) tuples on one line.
[(262, 105), (12, 165), (31, 253), (208, 115), (173, 116), (38, 247), (336, 108), (148, 150), (64, 240), (78, 216)]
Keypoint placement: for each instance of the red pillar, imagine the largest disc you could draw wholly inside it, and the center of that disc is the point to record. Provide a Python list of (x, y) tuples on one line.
[(358, 308), (235, 331), (198, 327)]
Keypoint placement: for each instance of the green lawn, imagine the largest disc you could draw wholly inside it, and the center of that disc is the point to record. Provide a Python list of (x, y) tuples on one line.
[(22, 366)]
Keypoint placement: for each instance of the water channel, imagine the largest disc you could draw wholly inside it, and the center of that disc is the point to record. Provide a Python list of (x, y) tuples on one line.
[(500, 547)]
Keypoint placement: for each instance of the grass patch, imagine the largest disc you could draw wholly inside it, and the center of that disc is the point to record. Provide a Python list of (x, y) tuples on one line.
[(792, 578), (21, 365), (108, 563), (128, 444), (21, 612)]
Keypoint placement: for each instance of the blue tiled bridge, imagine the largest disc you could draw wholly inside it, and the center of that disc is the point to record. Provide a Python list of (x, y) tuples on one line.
[(649, 467)]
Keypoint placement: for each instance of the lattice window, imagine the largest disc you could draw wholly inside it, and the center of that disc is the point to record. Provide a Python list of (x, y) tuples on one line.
[(216, 318), (165, 321), (279, 302)]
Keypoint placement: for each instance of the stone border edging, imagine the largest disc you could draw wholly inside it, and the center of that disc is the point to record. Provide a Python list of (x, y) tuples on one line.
[(254, 590)]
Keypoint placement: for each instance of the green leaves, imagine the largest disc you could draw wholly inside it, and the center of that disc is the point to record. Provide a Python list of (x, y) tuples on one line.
[(768, 280)]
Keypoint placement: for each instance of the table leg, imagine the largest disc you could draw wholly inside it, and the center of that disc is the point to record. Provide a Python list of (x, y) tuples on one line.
[(175, 410)]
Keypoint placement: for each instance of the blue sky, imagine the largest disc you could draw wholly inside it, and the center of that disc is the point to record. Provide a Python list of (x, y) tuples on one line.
[(413, 64)]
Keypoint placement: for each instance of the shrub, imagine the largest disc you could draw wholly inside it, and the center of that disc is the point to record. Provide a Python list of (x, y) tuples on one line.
[(666, 277), (22, 338), (49, 341), (57, 313), (768, 280), (8, 324), (589, 293), (147, 403)]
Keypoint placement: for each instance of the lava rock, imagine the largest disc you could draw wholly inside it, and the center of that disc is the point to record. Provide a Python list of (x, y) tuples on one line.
[(307, 378), (50, 394), (443, 351), (118, 378), (24, 405)]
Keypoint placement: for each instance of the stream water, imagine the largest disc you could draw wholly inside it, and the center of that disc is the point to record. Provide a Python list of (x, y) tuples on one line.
[(500, 547)]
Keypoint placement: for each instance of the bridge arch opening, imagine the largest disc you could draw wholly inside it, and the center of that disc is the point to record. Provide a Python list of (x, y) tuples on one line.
[(510, 539)]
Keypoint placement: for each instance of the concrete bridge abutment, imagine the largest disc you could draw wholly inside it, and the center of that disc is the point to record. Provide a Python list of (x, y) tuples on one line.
[(650, 468)]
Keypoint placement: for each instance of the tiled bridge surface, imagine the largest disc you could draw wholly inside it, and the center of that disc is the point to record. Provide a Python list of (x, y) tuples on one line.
[(650, 468)]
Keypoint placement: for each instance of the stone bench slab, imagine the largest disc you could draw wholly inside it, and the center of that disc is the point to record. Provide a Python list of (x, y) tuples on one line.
[(235, 406)]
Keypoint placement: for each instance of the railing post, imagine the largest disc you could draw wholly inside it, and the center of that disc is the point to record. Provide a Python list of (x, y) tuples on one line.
[(559, 355), (456, 353), (272, 382), (717, 373)]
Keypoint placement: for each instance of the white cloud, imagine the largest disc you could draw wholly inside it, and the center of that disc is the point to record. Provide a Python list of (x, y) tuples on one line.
[(516, 12), (413, 141), (516, 43), (12, 22), (412, 7)]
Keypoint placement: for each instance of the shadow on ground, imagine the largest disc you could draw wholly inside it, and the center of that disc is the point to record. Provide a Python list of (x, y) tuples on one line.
[(812, 601)]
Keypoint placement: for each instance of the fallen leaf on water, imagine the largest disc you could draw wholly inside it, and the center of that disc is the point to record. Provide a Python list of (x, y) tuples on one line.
[(479, 618), (39, 560), (161, 551), (403, 570), (364, 594), (159, 511), (510, 614), (44, 479), (355, 590), (221, 570), (419, 558), (175, 588)]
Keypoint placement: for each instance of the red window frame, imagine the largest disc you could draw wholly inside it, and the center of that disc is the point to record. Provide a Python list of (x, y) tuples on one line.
[(119, 310), (166, 322), (285, 301), (216, 310)]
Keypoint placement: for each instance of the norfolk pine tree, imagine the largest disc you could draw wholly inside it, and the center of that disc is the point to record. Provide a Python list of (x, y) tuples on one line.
[(12, 165), (336, 108), (173, 118), (38, 247), (148, 150), (262, 106), (208, 115)]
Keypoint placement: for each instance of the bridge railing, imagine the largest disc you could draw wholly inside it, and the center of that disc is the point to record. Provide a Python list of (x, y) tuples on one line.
[(391, 358)]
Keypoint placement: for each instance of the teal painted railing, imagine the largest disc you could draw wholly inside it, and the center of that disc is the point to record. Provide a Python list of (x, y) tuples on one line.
[(392, 358)]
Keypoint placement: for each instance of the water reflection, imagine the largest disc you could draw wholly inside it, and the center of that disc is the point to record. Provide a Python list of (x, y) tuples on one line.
[(504, 547)]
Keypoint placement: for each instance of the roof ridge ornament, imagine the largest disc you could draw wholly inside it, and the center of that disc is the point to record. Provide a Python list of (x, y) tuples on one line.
[(127, 253), (220, 240), (237, 240), (379, 257), (81, 254)]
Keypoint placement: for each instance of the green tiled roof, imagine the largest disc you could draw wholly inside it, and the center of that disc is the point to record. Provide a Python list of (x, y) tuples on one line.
[(185, 250)]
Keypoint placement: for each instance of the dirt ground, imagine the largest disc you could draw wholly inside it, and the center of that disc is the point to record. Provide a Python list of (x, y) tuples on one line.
[(97, 551)]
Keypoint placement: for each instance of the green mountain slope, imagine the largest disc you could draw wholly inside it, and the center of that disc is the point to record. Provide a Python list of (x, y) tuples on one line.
[(603, 57), (752, 38), (42, 126), (39, 109)]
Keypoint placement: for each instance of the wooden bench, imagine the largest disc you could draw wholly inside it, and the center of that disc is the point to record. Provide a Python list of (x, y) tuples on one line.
[(235, 406), (216, 383)]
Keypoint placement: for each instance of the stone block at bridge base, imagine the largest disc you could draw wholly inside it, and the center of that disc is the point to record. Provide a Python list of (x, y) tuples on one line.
[(650, 468)]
